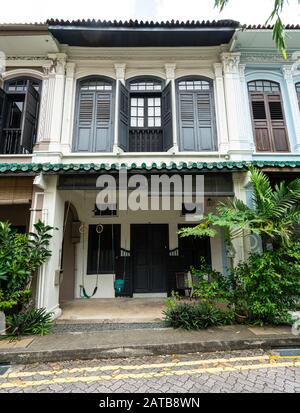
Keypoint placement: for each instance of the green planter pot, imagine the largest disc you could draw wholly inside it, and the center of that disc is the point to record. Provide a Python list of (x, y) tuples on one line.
[(119, 286)]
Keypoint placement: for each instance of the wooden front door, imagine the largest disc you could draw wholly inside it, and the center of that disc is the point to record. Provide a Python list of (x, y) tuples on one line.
[(150, 247)]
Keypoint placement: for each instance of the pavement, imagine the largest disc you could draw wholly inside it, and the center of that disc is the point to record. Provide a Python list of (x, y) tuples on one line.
[(248, 371), (106, 344)]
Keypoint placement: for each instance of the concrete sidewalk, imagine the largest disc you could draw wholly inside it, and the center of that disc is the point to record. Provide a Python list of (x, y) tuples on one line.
[(143, 342)]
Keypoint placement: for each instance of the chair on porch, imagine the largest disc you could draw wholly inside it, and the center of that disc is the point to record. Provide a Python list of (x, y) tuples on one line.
[(184, 281)]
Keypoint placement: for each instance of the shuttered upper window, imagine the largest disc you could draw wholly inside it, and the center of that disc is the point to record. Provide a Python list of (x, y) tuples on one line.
[(94, 132), (196, 115), (268, 116)]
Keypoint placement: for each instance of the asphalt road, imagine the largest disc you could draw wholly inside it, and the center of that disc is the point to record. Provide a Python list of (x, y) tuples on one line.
[(238, 372)]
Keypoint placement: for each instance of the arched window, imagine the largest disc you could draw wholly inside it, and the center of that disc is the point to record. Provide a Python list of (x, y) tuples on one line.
[(146, 126), (19, 107), (298, 92), (268, 118), (94, 127), (196, 114)]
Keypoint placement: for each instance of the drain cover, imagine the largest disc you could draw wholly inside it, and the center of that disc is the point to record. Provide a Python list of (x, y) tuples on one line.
[(289, 352)]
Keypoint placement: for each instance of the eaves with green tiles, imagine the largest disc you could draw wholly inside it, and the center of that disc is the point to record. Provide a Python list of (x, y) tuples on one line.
[(60, 168)]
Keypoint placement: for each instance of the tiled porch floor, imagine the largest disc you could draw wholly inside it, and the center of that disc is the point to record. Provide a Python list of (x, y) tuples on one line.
[(113, 310)]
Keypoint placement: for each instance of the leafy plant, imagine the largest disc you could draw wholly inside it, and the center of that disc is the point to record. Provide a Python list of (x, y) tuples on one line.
[(20, 257), (210, 285), (274, 213), (195, 316), (268, 285), (29, 322), (279, 35)]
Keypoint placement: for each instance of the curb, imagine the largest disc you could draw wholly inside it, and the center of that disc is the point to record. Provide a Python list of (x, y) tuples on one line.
[(105, 352)]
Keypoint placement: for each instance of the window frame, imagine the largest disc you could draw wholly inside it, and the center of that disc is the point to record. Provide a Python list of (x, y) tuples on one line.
[(12, 95), (145, 95), (22, 92), (90, 270), (268, 119), (77, 110), (211, 91)]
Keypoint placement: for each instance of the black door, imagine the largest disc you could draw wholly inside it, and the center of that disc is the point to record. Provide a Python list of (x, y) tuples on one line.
[(150, 247)]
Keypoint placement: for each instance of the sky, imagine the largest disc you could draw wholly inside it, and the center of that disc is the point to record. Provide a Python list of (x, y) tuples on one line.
[(245, 11)]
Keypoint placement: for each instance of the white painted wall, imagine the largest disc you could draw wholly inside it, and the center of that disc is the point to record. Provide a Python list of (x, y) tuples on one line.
[(84, 202)]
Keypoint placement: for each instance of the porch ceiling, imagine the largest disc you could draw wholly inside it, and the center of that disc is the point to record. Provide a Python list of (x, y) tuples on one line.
[(61, 168)]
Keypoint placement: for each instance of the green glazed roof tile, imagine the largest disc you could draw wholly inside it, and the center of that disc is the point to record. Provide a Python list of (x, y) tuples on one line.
[(52, 168)]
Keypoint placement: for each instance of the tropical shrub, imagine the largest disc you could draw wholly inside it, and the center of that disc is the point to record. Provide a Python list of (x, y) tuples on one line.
[(29, 321), (269, 285), (196, 316), (273, 214), (210, 285), (21, 255)]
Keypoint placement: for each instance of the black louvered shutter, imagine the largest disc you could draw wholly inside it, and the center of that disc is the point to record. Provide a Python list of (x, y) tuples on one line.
[(167, 123), (187, 121), (2, 109), (206, 141), (103, 125), (29, 118), (124, 117), (85, 122)]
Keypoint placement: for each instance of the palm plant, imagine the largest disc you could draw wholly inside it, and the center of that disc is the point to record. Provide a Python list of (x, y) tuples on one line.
[(273, 215)]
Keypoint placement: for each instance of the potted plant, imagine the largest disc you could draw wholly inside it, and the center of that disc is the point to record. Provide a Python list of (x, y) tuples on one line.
[(241, 311)]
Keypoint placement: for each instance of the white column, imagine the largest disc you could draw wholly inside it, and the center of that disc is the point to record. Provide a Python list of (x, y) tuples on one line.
[(45, 115), (53, 215), (246, 120), (235, 106), (120, 69), (292, 95), (66, 136), (241, 244), (58, 73), (170, 69), (222, 126)]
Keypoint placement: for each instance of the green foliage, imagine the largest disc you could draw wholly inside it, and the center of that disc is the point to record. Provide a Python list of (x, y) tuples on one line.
[(172, 301), (279, 35), (210, 285), (195, 316), (274, 214), (21, 254), (28, 322), (267, 286), (20, 257)]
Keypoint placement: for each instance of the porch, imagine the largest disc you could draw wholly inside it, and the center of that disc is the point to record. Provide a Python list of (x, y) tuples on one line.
[(110, 310)]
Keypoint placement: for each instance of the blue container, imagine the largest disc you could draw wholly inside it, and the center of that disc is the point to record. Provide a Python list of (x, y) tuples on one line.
[(119, 286)]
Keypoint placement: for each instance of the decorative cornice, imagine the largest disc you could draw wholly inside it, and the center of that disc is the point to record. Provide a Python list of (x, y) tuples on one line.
[(34, 58), (230, 62), (120, 69), (287, 72), (70, 70), (170, 69), (218, 69), (58, 63), (263, 58)]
